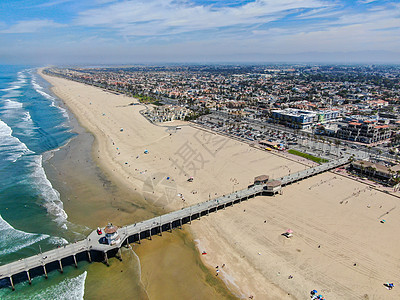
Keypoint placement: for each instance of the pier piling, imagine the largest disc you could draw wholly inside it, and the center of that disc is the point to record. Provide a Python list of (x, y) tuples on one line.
[(45, 272), (106, 259), (12, 283), (61, 267), (76, 265), (119, 254), (29, 277)]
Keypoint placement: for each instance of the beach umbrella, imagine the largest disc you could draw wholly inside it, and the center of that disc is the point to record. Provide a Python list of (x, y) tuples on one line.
[(289, 231)]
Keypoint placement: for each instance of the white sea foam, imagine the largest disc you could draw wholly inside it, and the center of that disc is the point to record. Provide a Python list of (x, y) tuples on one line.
[(12, 240), (10, 104), (14, 87), (35, 85), (27, 117), (13, 110), (21, 77), (47, 96), (51, 196), (39, 89), (59, 241), (11, 148), (68, 289)]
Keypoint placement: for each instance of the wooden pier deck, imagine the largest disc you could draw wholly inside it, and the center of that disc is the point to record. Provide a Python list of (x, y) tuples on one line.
[(67, 254)]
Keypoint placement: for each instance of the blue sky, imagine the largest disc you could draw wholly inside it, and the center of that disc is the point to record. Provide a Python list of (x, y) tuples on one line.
[(157, 31)]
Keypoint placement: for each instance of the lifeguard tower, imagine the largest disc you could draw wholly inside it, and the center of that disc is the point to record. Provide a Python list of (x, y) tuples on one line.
[(112, 235)]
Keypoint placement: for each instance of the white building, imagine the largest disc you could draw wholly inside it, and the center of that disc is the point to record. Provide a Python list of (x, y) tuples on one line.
[(303, 119), (112, 235)]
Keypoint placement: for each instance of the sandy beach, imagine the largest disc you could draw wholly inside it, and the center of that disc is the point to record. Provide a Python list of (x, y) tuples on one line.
[(339, 246)]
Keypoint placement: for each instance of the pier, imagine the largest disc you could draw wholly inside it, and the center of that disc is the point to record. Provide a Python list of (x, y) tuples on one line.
[(94, 248)]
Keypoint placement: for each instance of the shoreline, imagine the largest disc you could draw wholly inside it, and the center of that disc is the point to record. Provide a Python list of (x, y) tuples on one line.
[(85, 142), (247, 237)]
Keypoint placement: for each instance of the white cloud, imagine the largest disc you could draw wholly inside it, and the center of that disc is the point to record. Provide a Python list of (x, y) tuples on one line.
[(179, 30), (31, 26), (160, 17), (53, 3)]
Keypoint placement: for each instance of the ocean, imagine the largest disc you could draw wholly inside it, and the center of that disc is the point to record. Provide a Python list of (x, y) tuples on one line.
[(33, 125)]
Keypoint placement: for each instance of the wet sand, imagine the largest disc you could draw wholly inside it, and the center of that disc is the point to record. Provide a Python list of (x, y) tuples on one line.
[(171, 268), (121, 280)]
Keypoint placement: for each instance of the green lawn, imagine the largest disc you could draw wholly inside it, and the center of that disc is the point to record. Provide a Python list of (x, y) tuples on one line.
[(308, 156)]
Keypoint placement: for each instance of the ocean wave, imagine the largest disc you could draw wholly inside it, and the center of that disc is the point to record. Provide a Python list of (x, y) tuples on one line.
[(11, 148), (14, 87), (51, 196), (21, 119), (35, 85), (8, 103), (12, 240), (39, 89), (44, 94), (68, 289), (21, 76)]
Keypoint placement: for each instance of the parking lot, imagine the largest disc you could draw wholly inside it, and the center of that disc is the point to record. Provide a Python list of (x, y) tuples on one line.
[(256, 131)]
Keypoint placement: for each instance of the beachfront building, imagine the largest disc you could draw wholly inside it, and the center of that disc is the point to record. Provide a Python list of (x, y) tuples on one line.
[(262, 179), (112, 235), (303, 119), (364, 132), (273, 187), (376, 171)]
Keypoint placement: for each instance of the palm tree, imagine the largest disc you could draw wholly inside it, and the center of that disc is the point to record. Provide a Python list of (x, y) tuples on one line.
[(337, 142)]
